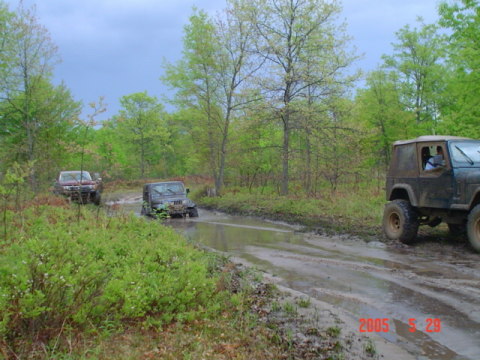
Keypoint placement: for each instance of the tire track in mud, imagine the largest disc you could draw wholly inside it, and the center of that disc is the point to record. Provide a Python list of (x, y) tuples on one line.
[(388, 288)]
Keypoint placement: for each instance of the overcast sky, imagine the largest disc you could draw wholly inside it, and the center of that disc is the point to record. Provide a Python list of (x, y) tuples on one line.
[(113, 48)]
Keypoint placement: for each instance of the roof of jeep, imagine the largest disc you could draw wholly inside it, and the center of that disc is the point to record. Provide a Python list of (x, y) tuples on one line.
[(162, 182), (428, 138), (165, 182)]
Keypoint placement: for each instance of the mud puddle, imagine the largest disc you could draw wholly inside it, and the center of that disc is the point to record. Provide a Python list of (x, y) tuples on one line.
[(425, 299)]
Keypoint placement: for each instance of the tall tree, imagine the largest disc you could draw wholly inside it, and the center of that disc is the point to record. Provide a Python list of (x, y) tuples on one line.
[(30, 57), (462, 18), (6, 41), (380, 108), (418, 59), (303, 46), (212, 77), (142, 120), (194, 77), (236, 66)]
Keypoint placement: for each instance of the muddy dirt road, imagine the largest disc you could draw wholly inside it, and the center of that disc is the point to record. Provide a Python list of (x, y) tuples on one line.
[(424, 299)]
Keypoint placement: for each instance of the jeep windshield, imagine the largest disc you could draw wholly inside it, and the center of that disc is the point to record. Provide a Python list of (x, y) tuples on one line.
[(167, 189), (465, 153)]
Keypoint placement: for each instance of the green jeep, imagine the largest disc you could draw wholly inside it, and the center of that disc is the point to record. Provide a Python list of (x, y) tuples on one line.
[(433, 179)]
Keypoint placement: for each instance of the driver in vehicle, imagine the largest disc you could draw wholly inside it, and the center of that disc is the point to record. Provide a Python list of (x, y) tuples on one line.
[(436, 160)]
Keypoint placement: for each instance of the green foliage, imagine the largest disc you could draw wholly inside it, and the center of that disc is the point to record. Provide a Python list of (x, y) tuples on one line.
[(334, 331), (418, 60), (462, 19), (370, 348), (37, 117), (304, 302), (141, 125), (58, 273)]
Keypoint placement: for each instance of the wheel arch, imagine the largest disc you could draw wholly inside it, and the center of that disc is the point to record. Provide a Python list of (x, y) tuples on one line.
[(403, 192), (476, 199)]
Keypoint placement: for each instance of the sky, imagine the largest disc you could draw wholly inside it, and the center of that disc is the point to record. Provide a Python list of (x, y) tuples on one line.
[(113, 48)]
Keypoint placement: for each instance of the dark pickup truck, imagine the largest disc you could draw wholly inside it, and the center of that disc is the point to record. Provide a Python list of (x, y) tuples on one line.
[(79, 186)]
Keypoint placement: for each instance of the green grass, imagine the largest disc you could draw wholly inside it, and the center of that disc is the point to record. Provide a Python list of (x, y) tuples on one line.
[(370, 348), (345, 211), (334, 331), (304, 302)]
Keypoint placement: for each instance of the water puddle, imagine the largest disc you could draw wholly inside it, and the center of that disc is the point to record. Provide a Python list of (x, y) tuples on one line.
[(439, 294)]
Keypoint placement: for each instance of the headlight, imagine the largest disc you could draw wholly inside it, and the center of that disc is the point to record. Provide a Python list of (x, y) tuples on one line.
[(185, 202)]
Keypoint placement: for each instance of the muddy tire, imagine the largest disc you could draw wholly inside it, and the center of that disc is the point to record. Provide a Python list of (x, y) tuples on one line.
[(473, 228), (400, 221), (193, 213), (97, 198)]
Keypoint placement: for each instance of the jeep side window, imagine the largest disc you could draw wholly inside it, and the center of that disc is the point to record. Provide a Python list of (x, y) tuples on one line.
[(431, 162)]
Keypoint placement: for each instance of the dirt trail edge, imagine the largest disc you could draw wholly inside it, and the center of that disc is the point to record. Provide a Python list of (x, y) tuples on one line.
[(316, 329)]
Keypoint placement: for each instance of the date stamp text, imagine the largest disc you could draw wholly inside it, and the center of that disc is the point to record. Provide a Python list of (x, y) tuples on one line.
[(430, 325)]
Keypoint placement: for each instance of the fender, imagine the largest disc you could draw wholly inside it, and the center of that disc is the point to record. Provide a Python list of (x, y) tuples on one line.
[(404, 187), (475, 200)]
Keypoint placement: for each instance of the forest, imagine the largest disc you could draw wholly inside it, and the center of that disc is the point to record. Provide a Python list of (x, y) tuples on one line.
[(266, 94), (266, 107)]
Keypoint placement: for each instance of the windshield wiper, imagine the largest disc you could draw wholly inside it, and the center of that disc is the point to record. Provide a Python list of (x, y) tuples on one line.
[(470, 161)]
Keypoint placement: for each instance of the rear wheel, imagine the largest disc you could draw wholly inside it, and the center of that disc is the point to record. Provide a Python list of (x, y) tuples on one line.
[(400, 221), (473, 228)]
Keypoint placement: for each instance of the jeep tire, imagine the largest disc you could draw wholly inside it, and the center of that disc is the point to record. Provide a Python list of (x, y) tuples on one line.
[(400, 221), (193, 213), (473, 228)]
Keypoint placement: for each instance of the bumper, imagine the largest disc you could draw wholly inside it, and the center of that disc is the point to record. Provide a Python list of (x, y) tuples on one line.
[(173, 209), (84, 195)]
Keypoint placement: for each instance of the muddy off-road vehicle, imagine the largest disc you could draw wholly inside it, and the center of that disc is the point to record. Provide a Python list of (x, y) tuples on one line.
[(433, 179), (79, 186), (167, 199)]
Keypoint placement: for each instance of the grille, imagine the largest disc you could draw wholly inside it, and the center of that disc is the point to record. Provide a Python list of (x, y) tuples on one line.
[(178, 202)]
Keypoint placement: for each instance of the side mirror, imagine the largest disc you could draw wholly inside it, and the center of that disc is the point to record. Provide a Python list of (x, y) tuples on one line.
[(187, 190)]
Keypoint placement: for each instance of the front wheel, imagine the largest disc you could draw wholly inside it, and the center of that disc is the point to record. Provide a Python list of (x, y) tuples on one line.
[(400, 221), (193, 213), (473, 228), (97, 198)]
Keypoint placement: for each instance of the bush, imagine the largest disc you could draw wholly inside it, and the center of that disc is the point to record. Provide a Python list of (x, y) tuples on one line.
[(61, 271)]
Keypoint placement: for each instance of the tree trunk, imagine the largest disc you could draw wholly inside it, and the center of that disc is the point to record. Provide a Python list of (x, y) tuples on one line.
[(286, 144)]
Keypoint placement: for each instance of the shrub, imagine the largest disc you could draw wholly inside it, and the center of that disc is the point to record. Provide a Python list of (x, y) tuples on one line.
[(63, 272)]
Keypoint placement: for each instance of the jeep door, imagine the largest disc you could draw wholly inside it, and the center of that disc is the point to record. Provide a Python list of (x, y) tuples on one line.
[(436, 185)]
